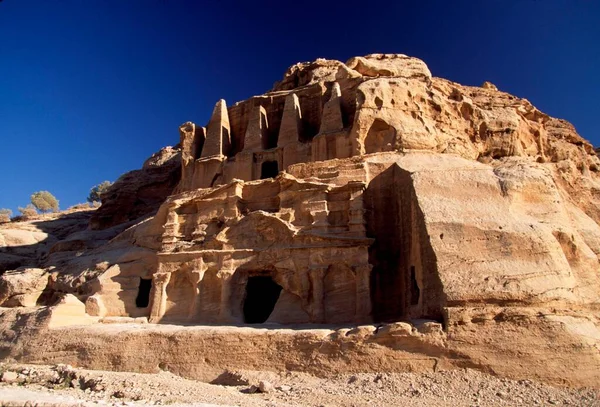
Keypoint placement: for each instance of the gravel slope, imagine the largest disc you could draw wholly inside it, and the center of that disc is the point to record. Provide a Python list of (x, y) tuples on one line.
[(61, 386)]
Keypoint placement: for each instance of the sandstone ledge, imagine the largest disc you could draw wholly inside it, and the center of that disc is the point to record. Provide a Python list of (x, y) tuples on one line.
[(488, 339)]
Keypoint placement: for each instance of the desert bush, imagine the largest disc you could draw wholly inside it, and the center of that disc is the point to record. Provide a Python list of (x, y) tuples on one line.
[(97, 191), (44, 201), (28, 212), (5, 215)]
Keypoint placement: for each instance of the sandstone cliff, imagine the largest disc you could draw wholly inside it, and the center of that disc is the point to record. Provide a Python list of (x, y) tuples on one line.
[(140, 192), (359, 192)]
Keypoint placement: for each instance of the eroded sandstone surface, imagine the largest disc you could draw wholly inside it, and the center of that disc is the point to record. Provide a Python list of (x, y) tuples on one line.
[(371, 216)]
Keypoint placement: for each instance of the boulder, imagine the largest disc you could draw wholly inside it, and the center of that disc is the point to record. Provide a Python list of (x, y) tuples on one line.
[(69, 311), (395, 65), (22, 287)]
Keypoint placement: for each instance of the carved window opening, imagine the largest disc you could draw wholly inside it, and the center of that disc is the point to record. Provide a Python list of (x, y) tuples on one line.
[(262, 294), (269, 169), (381, 137), (143, 298), (415, 291)]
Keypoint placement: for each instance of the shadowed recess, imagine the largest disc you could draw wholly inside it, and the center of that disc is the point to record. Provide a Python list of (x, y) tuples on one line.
[(262, 294), (143, 297)]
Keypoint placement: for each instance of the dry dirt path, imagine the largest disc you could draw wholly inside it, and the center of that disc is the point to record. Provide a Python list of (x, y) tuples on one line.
[(62, 386)]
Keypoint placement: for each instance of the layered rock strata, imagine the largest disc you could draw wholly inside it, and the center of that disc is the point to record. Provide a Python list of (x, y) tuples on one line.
[(365, 192)]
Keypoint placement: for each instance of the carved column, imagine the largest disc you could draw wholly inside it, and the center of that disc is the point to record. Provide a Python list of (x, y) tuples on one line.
[(160, 281), (331, 119), (218, 141), (317, 275), (257, 130), (191, 140), (196, 277), (225, 274), (363, 292), (290, 131), (290, 128)]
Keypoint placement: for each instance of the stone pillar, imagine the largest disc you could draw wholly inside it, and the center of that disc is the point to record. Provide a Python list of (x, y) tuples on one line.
[(191, 139), (363, 293), (257, 130), (317, 275), (196, 277), (218, 137), (224, 310), (291, 122), (160, 281), (290, 132), (331, 120), (225, 275)]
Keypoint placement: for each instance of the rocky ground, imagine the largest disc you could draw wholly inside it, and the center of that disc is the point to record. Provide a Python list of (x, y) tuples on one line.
[(66, 386)]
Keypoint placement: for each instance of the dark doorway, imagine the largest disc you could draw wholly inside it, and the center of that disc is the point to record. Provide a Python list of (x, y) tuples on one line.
[(269, 169), (262, 294), (143, 297)]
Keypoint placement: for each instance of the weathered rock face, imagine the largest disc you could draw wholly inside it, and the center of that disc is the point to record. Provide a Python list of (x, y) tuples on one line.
[(224, 250), (380, 103), (29, 243), (140, 192), (368, 191), (372, 105), (397, 65)]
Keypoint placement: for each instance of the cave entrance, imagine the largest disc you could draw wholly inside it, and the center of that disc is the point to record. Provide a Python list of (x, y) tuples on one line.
[(143, 298), (269, 169), (262, 294)]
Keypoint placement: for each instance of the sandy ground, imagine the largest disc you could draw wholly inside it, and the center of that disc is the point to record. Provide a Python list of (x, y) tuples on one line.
[(62, 385)]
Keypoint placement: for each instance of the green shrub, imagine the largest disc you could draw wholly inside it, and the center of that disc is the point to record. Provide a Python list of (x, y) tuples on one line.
[(44, 201), (97, 191)]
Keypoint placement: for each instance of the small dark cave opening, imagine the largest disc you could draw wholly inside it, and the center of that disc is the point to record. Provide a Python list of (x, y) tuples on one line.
[(143, 298), (262, 294), (269, 169)]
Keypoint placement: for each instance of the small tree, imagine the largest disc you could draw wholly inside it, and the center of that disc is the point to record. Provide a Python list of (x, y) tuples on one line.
[(44, 201), (97, 191), (28, 212), (5, 215)]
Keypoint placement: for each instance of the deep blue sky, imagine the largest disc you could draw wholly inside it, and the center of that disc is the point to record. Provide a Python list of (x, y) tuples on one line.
[(89, 89)]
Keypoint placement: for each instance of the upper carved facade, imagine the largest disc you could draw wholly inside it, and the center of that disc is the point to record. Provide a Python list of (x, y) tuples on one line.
[(327, 109)]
